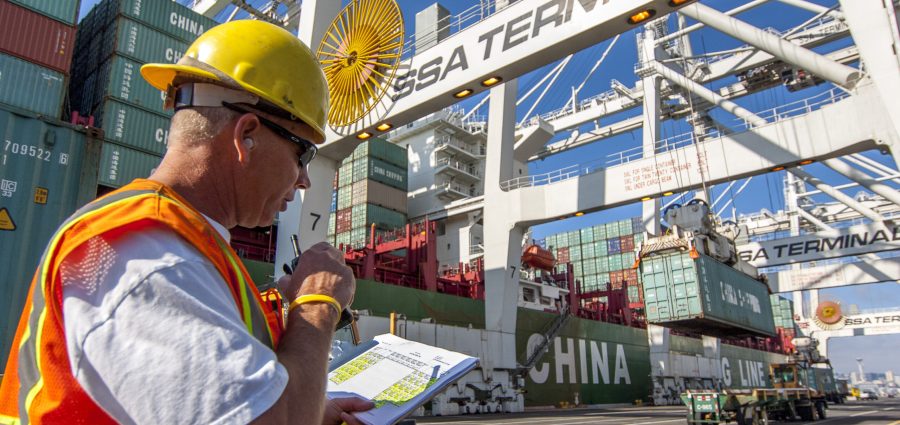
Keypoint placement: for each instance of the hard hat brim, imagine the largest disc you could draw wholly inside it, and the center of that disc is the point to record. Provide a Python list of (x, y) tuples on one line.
[(161, 76)]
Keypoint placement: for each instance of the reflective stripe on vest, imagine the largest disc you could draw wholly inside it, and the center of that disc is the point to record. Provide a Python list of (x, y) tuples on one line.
[(188, 224)]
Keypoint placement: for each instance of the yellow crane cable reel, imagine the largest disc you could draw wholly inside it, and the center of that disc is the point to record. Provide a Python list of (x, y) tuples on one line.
[(360, 54)]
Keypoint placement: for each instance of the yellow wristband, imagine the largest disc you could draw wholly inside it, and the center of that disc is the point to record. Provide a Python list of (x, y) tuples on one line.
[(316, 298)]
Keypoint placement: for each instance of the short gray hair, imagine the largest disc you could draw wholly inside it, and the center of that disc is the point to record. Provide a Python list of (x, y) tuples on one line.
[(199, 123)]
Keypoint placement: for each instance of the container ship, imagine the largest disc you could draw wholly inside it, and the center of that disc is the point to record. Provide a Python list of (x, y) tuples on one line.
[(611, 313)]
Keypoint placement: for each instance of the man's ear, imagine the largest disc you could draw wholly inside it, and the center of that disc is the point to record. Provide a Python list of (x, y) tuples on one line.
[(246, 129)]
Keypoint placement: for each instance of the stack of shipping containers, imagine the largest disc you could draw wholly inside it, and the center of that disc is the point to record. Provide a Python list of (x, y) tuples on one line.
[(48, 167), (114, 40), (602, 256), (783, 314), (370, 189)]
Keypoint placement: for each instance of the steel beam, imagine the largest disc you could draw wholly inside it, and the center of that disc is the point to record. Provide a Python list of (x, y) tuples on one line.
[(836, 194), (791, 53), (707, 94), (864, 179), (814, 8), (697, 26)]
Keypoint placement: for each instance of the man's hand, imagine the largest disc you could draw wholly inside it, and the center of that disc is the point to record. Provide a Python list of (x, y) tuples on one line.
[(338, 410), (321, 270)]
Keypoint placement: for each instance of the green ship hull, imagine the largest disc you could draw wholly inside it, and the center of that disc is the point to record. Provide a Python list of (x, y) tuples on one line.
[(602, 363)]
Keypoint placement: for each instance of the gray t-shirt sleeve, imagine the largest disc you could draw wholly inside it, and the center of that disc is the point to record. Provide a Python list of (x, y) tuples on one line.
[(165, 344)]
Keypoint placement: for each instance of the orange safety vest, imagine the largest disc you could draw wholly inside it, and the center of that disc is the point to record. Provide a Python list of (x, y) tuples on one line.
[(38, 385)]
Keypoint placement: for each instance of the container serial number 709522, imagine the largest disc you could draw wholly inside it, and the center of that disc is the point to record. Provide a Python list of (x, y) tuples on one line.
[(27, 150)]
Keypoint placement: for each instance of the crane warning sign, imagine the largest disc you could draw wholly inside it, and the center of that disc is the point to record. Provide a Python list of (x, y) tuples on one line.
[(6, 221)]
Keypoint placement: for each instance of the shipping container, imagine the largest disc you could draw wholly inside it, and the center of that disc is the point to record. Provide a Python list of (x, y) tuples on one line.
[(578, 268), (628, 259), (342, 239), (589, 266), (373, 192), (602, 265), (630, 275), (384, 219), (380, 171), (345, 175), (638, 238), (562, 255), (551, 242), (587, 251), (612, 230), (36, 38), (614, 262), (138, 42), (119, 165), (599, 232), (563, 240), (616, 280), (119, 78), (600, 248), (637, 224), (614, 245), (166, 16), (343, 221), (332, 219), (384, 150), (625, 227), (134, 127), (575, 253), (704, 296), (344, 197), (65, 11), (589, 283), (31, 87), (587, 235), (574, 238), (50, 170), (627, 243)]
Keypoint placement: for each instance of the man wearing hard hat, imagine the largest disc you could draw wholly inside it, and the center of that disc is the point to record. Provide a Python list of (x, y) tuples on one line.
[(140, 311)]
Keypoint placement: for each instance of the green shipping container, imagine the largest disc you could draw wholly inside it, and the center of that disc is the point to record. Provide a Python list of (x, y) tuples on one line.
[(134, 127), (383, 150), (381, 217), (628, 260), (612, 230), (120, 165), (120, 77), (602, 264), (345, 175), (380, 171), (31, 87), (599, 232), (563, 240), (625, 227), (139, 42), (601, 249), (574, 238), (166, 16), (344, 197), (65, 11), (575, 253), (704, 296), (587, 251), (50, 169), (587, 235), (615, 262)]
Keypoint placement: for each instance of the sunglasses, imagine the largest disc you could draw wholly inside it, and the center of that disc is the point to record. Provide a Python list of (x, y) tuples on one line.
[(308, 149)]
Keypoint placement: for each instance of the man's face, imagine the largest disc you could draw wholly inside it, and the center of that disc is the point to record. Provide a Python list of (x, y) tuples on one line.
[(273, 174)]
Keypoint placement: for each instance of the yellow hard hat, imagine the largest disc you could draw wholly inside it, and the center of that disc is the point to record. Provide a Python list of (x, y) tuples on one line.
[(258, 57)]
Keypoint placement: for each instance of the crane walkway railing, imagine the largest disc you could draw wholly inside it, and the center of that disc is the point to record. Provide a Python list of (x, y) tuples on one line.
[(772, 116)]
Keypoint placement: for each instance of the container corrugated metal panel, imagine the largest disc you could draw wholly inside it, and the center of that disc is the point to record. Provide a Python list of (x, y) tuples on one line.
[(342, 238), (345, 174), (120, 165), (638, 238), (599, 232), (563, 240), (32, 87), (120, 77), (587, 235), (332, 219), (612, 230), (602, 264), (166, 16), (628, 259), (614, 246), (614, 262), (344, 197), (627, 243), (575, 253), (578, 268), (65, 11), (134, 127), (140, 43), (343, 222), (380, 171), (373, 192), (625, 227), (587, 251), (562, 255), (36, 38), (705, 296), (384, 150), (39, 154), (381, 217), (600, 248), (574, 238)]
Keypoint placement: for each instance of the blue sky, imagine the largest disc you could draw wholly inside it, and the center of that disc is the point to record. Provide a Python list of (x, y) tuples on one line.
[(763, 192)]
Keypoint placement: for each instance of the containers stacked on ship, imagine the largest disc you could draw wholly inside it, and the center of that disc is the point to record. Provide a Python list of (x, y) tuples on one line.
[(369, 192), (37, 39), (115, 39), (783, 315), (47, 169), (603, 257)]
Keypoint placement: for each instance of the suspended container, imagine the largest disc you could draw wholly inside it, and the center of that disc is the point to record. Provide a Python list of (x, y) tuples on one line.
[(119, 165), (705, 296), (50, 170), (64, 11), (31, 87), (36, 38)]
